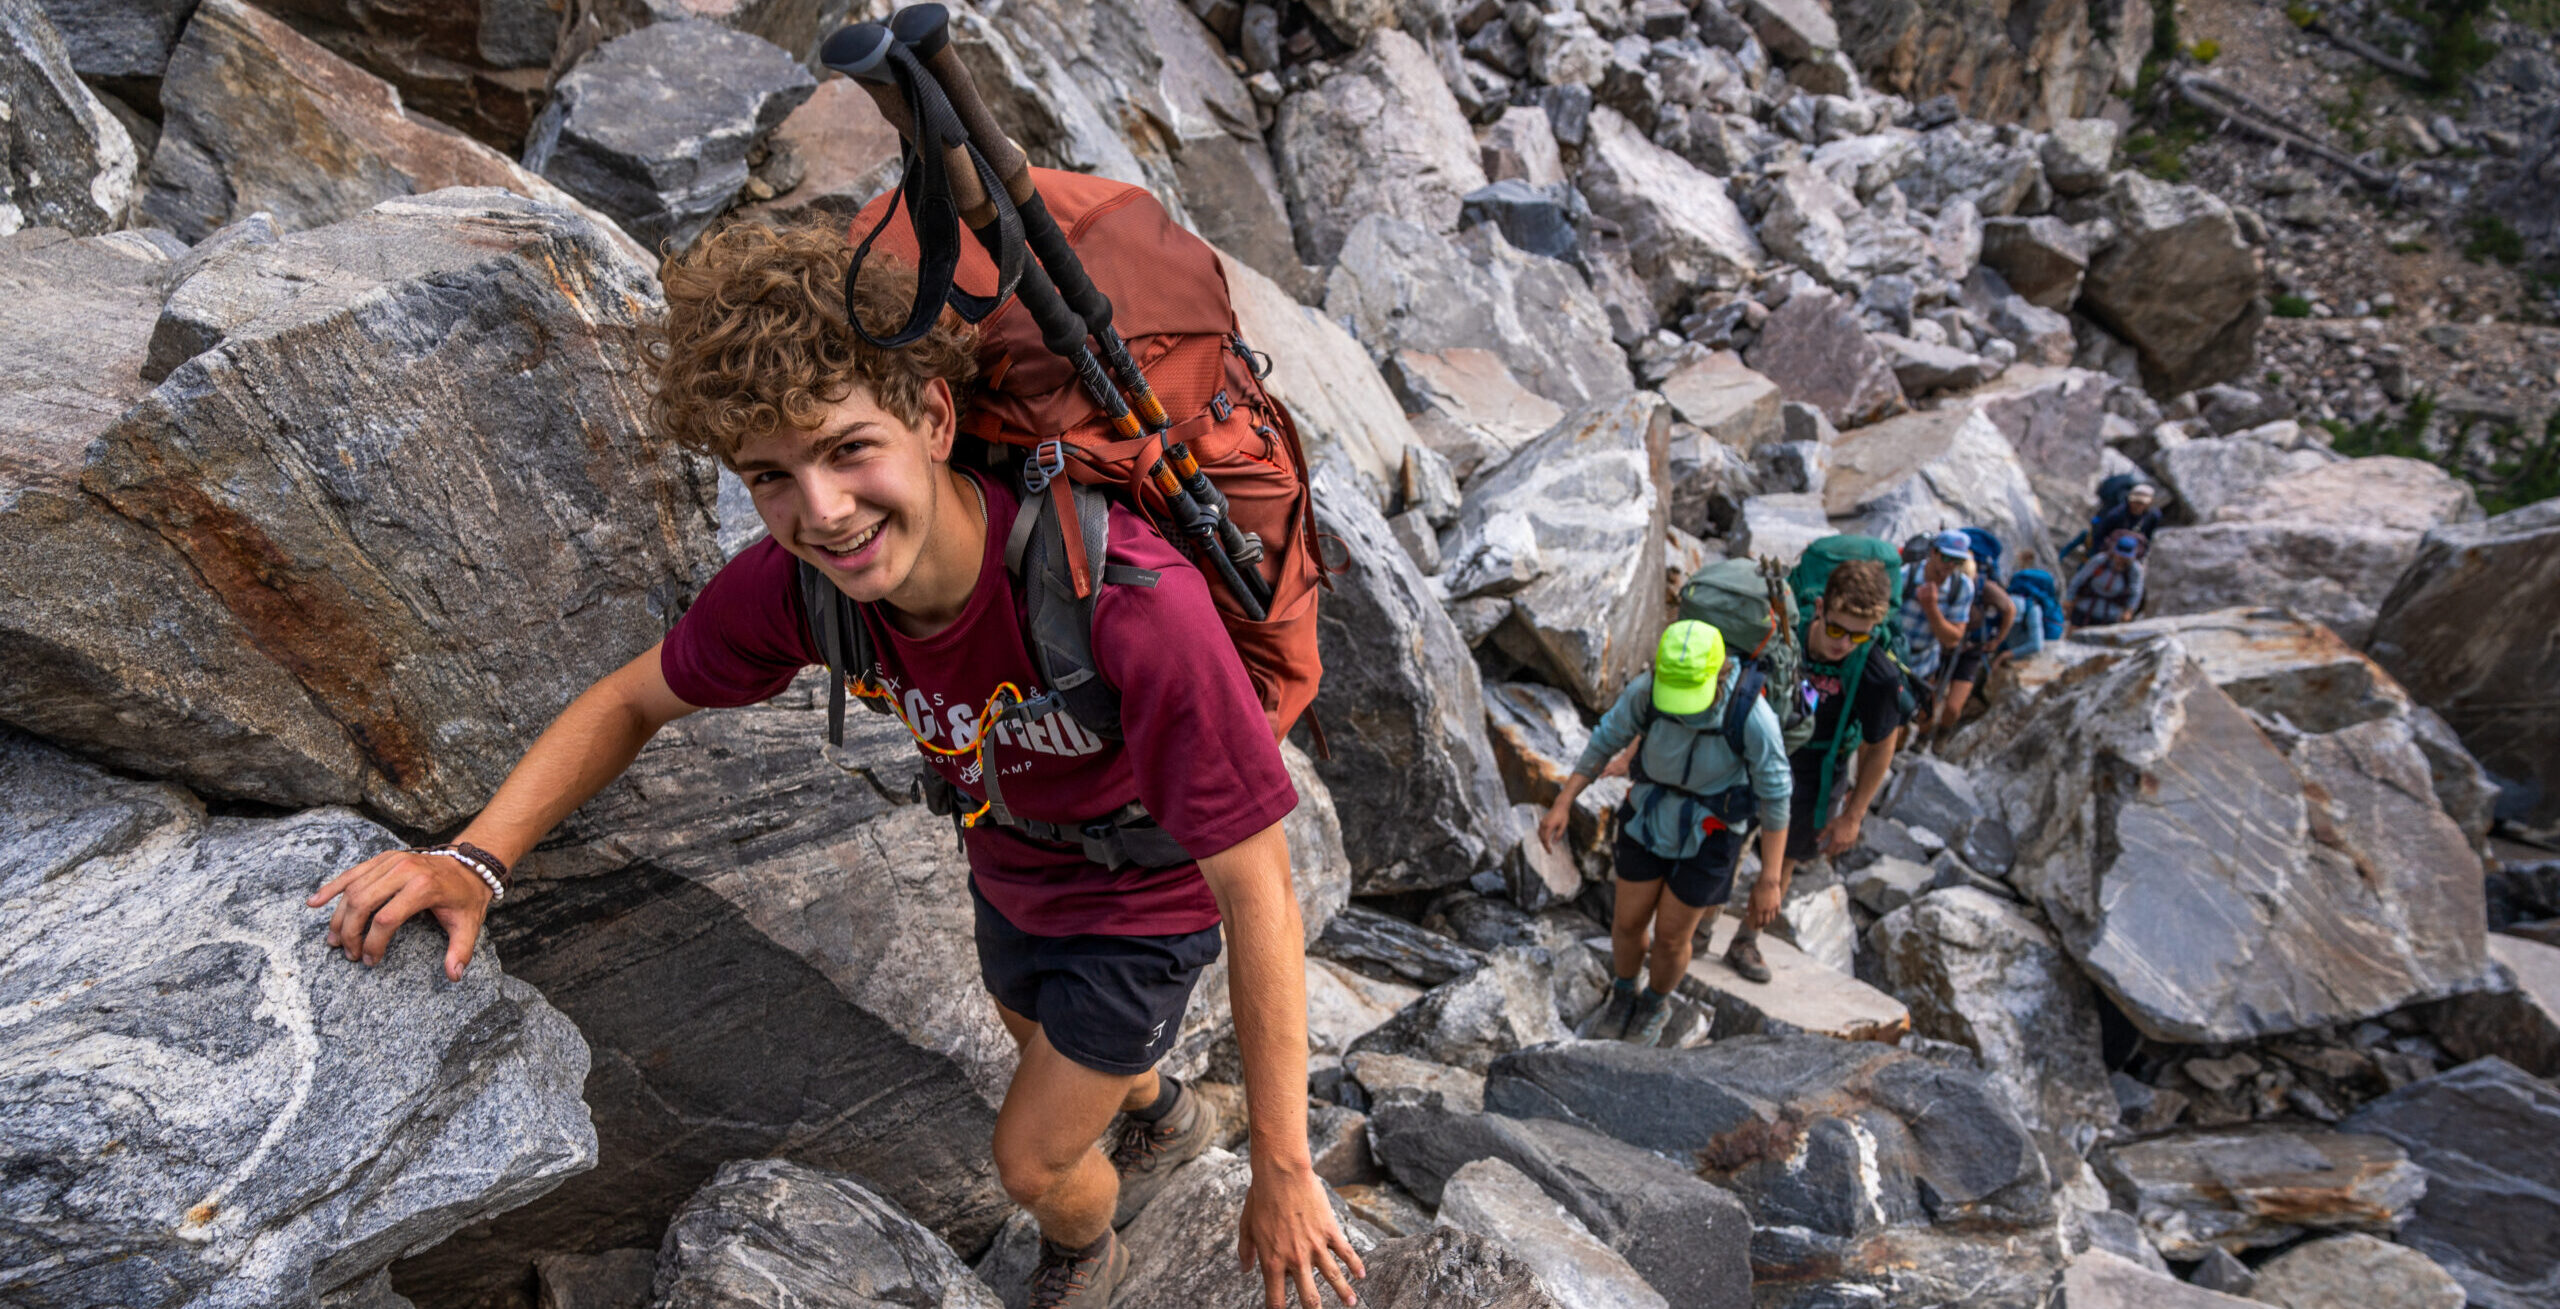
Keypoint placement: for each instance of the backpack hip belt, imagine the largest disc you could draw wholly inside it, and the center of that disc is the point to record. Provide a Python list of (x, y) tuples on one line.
[(1127, 835)]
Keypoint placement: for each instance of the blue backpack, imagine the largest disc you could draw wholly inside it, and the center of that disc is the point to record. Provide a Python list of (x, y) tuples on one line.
[(2038, 585), (1986, 549)]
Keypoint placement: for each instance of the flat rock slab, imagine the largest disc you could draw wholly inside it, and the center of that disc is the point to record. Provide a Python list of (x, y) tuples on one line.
[(1918, 472), (764, 1231), (2488, 1136), (194, 1077), (1842, 1138), (1683, 232), (1814, 348), (2261, 1184), (1381, 134), (654, 128), (1726, 399), (2099, 1280), (2273, 662), (1403, 286), (1801, 995)]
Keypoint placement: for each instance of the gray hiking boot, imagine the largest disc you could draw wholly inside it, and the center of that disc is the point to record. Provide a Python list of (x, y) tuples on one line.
[(1645, 1024), (1070, 1279), (1608, 1022), (1147, 1153), (1743, 957)]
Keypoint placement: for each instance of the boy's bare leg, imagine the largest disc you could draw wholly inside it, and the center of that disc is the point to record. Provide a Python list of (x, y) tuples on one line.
[(1674, 930), (1628, 935), (1143, 1088), (1045, 1141)]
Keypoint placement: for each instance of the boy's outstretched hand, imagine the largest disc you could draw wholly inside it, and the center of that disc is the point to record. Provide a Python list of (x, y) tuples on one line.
[(375, 897)]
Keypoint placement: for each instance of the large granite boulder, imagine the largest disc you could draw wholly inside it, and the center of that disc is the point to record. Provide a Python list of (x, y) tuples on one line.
[(1509, 1004), (65, 161), (2101, 1279), (2035, 67), (1495, 1200), (2209, 473), (2485, 1134), (1841, 1138), (307, 508), (654, 128), (1411, 771), (767, 1231), (1468, 407), (206, 1105), (2219, 880), (755, 940), (1803, 995), (260, 118), (481, 67), (1815, 350), (1977, 971), (1690, 1240), (1342, 407), (2178, 283), (842, 155), (2458, 631), (1728, 400), (2276, 664), (1400, 286), (1683, 232), (1569, 531), (118, 38), (2329, 543), (1182, 1246), (2239, 1188), (1138, 90), (1381, 134), (2519, 1021), (1927, 471)]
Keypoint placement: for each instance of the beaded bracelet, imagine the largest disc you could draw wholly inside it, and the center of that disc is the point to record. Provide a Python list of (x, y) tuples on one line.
[(489, 867)]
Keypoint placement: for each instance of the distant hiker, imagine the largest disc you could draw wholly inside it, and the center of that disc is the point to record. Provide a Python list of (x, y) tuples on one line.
[(2040, 615), (1708, 768), (1935, 609), (2108, 588), (2125, 504), (1103, 856), (1845, 622), (1993, 615)]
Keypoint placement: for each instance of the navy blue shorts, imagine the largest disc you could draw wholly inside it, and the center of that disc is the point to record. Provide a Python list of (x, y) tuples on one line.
[(1111, 1003), (1702, 880)]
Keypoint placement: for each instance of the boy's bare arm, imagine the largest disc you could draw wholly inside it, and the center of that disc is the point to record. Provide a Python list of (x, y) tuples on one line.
[(585, 748), (1288, 1225)]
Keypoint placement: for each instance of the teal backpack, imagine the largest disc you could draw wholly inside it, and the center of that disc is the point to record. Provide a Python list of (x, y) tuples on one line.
[(1811, 577), (1750, 602)]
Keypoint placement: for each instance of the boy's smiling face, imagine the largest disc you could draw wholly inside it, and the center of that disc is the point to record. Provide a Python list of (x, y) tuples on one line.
[(855, 496)]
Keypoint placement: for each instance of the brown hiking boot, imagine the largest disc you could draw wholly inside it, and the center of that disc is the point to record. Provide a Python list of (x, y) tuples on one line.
[(1743, 957), (1147, 1153), (1067, 1279)]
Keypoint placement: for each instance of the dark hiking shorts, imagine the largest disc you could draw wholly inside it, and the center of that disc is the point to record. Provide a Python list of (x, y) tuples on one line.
[(1111, 1003), (1700, 881), (1804, 826), (1970, 664)]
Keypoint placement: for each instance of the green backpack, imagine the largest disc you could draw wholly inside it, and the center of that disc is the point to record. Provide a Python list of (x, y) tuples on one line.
[(1750, 602)]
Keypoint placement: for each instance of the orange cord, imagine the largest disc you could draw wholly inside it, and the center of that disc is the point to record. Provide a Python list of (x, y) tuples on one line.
[(862, 689)]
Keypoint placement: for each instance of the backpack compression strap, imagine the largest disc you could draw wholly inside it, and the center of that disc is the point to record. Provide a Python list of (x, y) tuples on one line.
[(835, 628)]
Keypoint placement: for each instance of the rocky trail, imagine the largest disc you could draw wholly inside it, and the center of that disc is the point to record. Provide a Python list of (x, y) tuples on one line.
[(2214, 961)]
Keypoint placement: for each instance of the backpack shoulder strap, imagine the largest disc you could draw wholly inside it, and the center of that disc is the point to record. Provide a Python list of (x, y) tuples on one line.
[(836, 630), (1057, 623)]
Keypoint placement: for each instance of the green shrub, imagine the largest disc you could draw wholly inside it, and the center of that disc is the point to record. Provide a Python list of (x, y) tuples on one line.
[(2292, 306), (2492, 238)]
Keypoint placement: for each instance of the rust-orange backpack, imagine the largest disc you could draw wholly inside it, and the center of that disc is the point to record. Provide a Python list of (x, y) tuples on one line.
[(1170, 301)]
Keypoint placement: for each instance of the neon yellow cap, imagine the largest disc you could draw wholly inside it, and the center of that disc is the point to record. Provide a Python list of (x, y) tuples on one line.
[(1685, 667)]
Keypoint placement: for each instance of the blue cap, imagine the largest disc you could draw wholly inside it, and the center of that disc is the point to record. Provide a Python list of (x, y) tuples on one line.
[(2127, 544), (1953, 544)]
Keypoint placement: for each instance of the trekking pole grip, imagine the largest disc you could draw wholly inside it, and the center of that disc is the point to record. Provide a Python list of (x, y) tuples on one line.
[(861, 51), (926, 32)]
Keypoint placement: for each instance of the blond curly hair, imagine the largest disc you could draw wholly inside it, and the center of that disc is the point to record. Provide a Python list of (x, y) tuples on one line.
[(755, 338)]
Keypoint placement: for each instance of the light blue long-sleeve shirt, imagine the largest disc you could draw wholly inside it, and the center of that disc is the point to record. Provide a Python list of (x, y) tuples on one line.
[(1688, 752)]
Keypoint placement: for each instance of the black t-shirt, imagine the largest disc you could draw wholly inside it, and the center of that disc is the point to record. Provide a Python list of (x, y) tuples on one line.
[(1879, 707)]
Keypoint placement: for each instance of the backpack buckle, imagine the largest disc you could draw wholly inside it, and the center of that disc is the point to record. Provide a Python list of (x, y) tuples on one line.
[(1220, 407), (1047, 460)]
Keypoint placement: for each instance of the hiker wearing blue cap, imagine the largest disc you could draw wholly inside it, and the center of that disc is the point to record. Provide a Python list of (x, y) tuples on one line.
[(1934, 613), (2108, 588), (1709, 766)]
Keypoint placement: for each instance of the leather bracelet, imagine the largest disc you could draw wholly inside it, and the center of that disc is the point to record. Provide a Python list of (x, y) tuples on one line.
[(487, 875), (505, 877)]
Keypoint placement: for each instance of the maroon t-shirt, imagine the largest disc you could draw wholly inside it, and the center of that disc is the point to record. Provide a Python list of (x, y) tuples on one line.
[(1195, 747)]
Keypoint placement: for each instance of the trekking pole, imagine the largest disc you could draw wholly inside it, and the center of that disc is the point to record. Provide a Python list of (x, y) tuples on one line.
[(925, 30), (869, 53)]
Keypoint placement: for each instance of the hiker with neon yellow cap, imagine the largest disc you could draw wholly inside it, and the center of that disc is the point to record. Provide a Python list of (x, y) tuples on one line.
[(1709, 767)]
